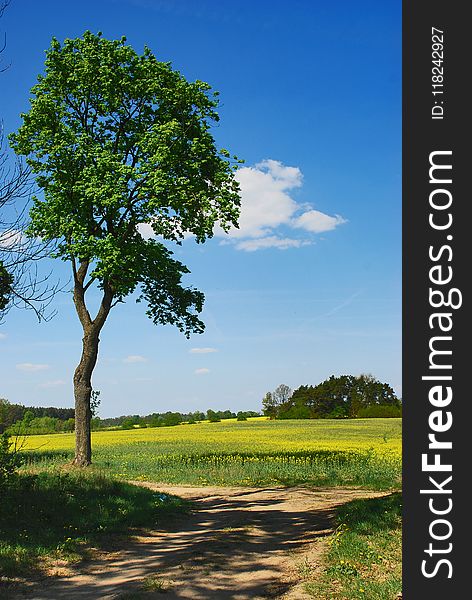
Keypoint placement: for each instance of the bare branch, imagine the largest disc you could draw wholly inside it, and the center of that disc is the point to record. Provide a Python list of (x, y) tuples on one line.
[(19, 254)]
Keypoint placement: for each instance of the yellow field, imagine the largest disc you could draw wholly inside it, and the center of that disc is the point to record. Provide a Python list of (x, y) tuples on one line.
[(255, 435)]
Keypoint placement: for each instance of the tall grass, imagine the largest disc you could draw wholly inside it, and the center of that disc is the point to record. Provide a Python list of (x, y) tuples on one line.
[(147, 462)]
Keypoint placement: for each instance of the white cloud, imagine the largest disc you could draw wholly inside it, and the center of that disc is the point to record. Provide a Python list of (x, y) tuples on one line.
[(265, 203), (203, 371), (52, 384), (134, 358), (3, 336), (317, 222), (31, 367), (202, 350), (12, 239), (145, 229), (267, 206), (271, 241), (268, 211)]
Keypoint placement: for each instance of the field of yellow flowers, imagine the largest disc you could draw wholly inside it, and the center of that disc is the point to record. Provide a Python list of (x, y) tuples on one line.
[(364, 452)]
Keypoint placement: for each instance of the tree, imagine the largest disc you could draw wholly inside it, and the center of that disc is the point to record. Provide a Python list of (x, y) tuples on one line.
[(341, 397), (119, 143), (69, 425), (269, 406), (10, 459), (282, 394), (272, 401), (212, 416)]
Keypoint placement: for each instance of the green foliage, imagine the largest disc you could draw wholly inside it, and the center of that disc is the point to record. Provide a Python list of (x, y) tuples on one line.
[(95, 424), (212, 416), (36, 426), (273, 401), (94, 402), (380, 412), (10, 459), (11, 414), (168, 419), (63, 514), (129, 422), (69, 424), (6, 281), (341, 397), (269, 407), (119, 141)]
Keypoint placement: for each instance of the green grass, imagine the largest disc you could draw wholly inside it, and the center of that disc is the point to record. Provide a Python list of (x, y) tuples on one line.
[(364, 557), (315, 468), (59, 516)]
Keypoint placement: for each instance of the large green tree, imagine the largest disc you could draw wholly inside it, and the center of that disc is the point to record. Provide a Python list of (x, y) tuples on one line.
[(120, 141)]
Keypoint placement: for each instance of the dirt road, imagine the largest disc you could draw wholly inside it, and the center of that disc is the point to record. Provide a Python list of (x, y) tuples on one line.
[(238, 544)]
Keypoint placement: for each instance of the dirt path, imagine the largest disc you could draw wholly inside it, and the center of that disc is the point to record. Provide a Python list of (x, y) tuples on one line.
[(239, 544)]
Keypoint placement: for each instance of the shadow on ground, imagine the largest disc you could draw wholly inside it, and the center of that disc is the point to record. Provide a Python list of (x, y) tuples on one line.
[(236, 544)]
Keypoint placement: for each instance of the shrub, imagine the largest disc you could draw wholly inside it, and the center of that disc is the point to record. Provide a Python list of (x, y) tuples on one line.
[(379, 412), (9, 458)]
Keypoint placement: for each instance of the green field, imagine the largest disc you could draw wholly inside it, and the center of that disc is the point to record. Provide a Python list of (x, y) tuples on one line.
[(361, 452)]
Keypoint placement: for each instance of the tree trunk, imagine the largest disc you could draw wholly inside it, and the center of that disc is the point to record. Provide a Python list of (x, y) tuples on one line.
[(88, 360), (82, 394)]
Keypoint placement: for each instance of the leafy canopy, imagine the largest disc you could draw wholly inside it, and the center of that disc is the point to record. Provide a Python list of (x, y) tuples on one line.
[(339, 397), (119, 140), (6, 281)]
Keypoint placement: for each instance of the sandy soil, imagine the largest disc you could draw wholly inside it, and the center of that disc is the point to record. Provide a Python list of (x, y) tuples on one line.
[(238, 544)]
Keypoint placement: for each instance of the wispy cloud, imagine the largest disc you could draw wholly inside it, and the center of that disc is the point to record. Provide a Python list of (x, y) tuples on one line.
[(342, 304), (12, 239), (134, 358), (31, 367), (3, 336), (52, 384), (202, 371), (202, 350), (271, 241), (268, 210)]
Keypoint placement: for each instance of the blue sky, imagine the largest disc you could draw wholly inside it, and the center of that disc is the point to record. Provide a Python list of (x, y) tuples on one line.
[(311, 284)]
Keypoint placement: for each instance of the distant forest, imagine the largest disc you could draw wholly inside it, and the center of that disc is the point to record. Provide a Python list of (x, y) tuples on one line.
[(347, 396), (20, 419)]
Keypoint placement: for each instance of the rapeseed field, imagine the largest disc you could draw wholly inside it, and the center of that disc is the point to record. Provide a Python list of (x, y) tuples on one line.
[(361, 452)]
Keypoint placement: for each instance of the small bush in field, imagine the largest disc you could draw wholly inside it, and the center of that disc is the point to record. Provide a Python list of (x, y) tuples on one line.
[(9, 459)]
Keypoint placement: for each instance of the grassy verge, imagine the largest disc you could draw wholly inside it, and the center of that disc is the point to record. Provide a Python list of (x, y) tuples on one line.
[(58, 516), (364, 557), (146, 461)]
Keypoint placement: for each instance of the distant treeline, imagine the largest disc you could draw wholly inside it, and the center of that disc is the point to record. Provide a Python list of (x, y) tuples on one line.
[(347, 396), (12, 413), (174, 418), (25, 420)]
